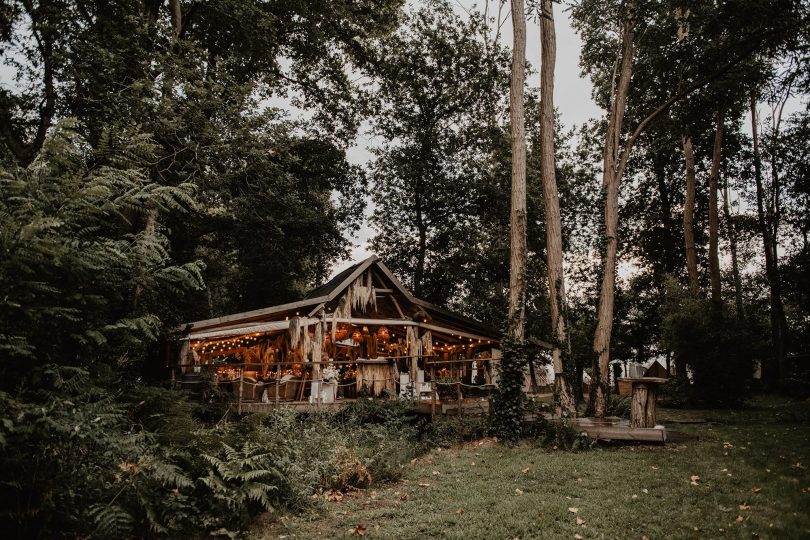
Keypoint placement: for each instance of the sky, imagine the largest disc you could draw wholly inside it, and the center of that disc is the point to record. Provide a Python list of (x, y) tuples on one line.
[(572, 92)]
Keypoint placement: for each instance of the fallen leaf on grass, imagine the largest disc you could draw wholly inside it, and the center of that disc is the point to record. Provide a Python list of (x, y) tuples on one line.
[(644, 490), (645, 537), (695, 479), (526, 470), (360, 530), (435, 473), (334, 496), (634, 496), (518, 492), (577, 537), (797, 466), (424, 484), (459, 512), (745, 506), (740, 519), (755, 489), (405, 496), (580, 521), (573, 510), (654, 468)]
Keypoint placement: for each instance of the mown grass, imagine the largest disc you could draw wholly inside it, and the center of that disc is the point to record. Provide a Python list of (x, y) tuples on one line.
[(751, 463)]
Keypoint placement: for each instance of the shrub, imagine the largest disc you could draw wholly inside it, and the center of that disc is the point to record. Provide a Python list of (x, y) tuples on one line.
[(716, 348)]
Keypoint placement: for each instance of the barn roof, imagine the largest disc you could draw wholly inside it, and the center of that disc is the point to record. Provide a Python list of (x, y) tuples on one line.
[(327, 295)]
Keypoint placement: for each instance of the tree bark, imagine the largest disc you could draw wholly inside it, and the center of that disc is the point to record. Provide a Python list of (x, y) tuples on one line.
[(689, 215), (714, 258), (611, 176), (561, 352), (517, 262), (773, 374), (731, 230)]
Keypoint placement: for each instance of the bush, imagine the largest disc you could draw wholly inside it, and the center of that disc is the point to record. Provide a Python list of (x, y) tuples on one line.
[(619, 406), (717, 349)]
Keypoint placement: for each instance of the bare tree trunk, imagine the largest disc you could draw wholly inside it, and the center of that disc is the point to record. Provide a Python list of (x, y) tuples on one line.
[(561, 353), (517, 262), (714, 258), (774, 373), (731, 230), (689, 215), (611, 176)]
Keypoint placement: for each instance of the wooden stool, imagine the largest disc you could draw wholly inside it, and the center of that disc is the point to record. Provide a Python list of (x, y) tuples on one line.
[(645, 393)]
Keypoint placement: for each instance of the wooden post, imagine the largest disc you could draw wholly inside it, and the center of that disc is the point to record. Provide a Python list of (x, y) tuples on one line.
[(241, 388), (432, 398), (458, 398)]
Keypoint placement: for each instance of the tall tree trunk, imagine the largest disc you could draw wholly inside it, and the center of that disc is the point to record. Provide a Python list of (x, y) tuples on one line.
[(775, 372), (561, 353), (666, 220), (731, 230), (714, 258), (689, 215), (517, 262), (421, 228), (611, 176)]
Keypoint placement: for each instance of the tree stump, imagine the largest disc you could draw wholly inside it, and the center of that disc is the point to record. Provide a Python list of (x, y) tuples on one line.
[(642, 412)]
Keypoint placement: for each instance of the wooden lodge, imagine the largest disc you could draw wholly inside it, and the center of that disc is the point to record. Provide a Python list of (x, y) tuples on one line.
[(361, 334)]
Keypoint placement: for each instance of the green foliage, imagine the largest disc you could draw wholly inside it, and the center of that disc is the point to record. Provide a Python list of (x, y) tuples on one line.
[(77, 259), (716, 349), (507, 403), (557, 435), (619, 406)]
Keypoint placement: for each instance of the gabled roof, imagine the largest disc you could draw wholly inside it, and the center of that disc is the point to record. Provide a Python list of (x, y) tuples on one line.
[(330, 291)]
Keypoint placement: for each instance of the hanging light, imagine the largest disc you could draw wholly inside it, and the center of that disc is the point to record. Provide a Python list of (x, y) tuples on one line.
[(383, 333)]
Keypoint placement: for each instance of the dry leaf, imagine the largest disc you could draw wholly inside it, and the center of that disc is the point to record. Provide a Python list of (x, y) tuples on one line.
[(745, 506), (424, 484), (695, 478), (654, 468), (740, 519), (755, 489), (459, 512), (645, 537), (644, 490), (634, 496), (526, 470), (360, 530), (518, 492), (435, 473), (573, 510), (405, 496), (580, 521), (577, 537)]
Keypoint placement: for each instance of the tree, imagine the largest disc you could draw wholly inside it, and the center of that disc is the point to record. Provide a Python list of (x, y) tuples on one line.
[(440, 86), (724, 51), (558, 304), (71, 264), (517, 221)]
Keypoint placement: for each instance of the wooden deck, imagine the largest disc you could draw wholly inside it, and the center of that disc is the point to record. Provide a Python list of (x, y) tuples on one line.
[(618, 429)]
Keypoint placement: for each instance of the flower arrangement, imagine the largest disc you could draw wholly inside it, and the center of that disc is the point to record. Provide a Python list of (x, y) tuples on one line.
[(330, 373)]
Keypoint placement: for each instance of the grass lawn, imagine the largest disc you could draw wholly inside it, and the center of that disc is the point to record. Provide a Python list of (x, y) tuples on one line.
[(753, 484)]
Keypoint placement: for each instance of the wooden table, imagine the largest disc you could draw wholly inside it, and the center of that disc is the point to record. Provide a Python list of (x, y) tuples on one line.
[(645, 393)]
